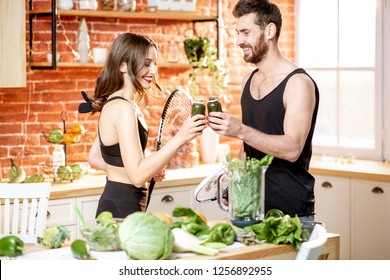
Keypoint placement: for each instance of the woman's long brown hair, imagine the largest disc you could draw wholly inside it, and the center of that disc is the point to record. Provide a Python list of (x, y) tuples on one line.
[(129, 48)]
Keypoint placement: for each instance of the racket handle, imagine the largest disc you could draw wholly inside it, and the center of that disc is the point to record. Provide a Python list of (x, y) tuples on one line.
[(151, 187)]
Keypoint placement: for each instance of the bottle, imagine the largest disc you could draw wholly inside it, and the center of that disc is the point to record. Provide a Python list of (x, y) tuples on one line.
[(65, 4), (58, 158), (213, 105), (83, 46), (173, 52), (198, 107)]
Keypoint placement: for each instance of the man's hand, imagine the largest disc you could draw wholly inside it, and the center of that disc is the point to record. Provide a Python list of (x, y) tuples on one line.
[(224, 124)]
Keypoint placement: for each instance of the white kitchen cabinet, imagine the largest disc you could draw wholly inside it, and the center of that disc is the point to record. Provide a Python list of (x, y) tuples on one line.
[(60, 212), (370, 224), (166, 199), (332, 206)]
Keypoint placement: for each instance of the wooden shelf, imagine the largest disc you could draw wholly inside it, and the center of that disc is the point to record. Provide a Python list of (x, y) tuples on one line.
[(99, 65), (55, 13), (168, 15)]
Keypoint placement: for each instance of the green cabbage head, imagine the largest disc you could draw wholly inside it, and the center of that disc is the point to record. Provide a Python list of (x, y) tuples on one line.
[(145, 237)]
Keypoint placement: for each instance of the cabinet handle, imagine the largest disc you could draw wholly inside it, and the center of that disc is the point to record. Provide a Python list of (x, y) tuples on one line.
[(377, 190), (166, 199), (326, 184), (47, 214)]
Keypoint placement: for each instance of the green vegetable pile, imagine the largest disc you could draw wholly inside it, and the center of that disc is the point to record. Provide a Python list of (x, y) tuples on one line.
[(277, 228), (192, 234), (54, 237), (193, 223), (245, 178)]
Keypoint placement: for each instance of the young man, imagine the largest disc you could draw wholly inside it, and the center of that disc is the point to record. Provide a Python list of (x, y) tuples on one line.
[(279, 105)]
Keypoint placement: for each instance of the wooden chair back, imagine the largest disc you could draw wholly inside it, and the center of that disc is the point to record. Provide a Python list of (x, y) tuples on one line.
[(23, 210)]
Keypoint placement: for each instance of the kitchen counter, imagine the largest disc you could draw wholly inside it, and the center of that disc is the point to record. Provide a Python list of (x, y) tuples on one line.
[(93, 182), (351, 168), (237, 251)]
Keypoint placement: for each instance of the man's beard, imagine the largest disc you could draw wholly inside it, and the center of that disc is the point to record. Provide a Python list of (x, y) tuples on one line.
[(259, 51)]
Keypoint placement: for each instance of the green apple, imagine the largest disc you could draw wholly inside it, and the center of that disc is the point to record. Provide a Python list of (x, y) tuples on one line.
[(77, 172), (55, 136), (65, 172)]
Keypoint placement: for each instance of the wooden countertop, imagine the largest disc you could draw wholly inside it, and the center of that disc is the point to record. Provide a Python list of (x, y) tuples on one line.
[(93, 183), (355, 169), (267, 251), (237, 251)]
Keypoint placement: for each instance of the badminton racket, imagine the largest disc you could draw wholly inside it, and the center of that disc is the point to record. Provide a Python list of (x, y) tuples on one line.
[(177, 109)]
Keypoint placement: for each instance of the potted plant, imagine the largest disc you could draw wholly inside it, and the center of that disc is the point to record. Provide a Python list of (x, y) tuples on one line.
[(195, 48), (203, 57)]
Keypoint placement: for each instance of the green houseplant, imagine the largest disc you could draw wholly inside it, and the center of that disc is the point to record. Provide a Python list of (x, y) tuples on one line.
[(203, 57)]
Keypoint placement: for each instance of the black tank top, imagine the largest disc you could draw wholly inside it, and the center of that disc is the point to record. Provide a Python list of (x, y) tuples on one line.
[(289, 186), (112, 154)]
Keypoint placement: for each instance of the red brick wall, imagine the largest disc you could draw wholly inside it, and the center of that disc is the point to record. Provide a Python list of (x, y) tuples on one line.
[(27, 112)]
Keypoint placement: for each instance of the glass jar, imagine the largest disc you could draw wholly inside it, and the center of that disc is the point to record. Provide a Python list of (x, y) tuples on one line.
[(198, 107), (125, 5), (65, 4), (88, 4), (213, 105), (107, 5)]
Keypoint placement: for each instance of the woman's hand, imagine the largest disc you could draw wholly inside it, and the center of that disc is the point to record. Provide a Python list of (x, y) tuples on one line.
[(160, 176), (191, 128)]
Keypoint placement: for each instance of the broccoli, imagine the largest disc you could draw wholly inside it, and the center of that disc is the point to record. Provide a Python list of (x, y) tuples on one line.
[(54, 237)]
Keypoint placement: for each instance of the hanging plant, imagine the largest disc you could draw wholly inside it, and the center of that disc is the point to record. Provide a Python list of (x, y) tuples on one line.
[(203, 57), (196, 47)]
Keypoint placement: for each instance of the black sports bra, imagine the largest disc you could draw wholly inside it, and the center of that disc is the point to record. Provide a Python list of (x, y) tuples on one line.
[(112, 154)]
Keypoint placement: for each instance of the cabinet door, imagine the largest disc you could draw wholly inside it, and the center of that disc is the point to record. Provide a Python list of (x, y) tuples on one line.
[(166, 199), (332, 206), (12, 43), (370, 220), (60, 212)]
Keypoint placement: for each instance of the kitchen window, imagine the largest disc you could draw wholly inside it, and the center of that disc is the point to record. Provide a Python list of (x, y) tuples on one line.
[(340, 43)]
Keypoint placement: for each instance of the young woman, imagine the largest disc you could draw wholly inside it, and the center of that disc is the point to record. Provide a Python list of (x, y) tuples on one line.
[(119, 148)]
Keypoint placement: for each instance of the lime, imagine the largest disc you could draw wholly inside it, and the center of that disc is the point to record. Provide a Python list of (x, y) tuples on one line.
[(80, 250)]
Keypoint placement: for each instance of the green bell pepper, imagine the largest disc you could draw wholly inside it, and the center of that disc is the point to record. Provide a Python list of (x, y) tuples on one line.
[(221, 232), (11, 246)]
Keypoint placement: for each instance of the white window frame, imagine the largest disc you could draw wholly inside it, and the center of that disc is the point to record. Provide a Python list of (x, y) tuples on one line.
[(382, 90), (386, 79)]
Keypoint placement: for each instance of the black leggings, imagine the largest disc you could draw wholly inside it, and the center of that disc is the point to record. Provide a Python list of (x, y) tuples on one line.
[(121, 199)]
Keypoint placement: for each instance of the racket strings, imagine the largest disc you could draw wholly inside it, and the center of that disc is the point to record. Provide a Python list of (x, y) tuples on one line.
[(176, 112)]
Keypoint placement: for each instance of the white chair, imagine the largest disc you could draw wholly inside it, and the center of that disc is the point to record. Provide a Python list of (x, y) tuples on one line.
[(311, 249), (23, 210)]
